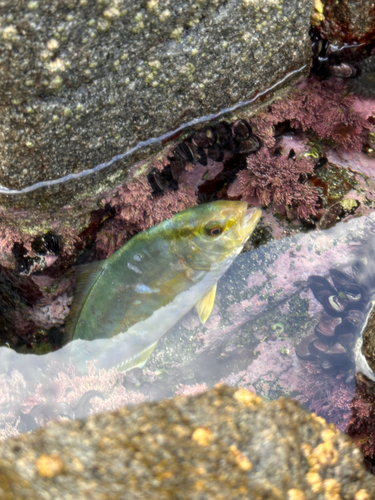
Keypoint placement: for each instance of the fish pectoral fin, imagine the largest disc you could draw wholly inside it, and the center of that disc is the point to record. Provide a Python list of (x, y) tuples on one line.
[(205, 305)]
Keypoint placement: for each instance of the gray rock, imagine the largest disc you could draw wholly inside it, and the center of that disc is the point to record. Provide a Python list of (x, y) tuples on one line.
[(82, 82), (226, 443), (346, 21), (367, 353)]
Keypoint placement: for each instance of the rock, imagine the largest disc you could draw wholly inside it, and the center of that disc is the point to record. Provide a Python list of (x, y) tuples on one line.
[(84, 83), (368, 342), (346, 21), (226, 443)]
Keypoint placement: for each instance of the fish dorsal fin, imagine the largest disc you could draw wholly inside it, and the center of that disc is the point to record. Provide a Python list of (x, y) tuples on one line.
[(205, 305), (86, 277)]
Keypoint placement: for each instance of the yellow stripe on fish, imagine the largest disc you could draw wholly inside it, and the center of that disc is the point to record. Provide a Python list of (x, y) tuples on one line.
[(125, 304)]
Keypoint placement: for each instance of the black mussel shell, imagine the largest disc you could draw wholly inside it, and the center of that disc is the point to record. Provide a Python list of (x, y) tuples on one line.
[(351, 323), (241, 130), (325, 330), (361, 305), (185, 152), (340, 279), (317, 283), (177, 167), (249, 145), (204, 138), (302, 349), (201, 157), (353, 292), (343, 70), (215, 153), (223, 134), (327, 366), (334, 305), (318, 348), (344, 328), (337, 355), (347, 340), (356, 317)]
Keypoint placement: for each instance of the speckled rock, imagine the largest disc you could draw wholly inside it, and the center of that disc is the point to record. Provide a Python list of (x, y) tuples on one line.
[(226, 443), (346, 21), (82, 82)]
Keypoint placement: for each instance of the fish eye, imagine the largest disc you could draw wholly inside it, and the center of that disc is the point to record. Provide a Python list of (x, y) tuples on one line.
[(215, 230)]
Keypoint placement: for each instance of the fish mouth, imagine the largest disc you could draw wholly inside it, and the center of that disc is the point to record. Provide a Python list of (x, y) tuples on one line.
[(251, 219)]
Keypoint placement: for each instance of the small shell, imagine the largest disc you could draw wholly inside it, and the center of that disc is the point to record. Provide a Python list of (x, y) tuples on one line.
[(241, 130), (249, 145), (343, 70)]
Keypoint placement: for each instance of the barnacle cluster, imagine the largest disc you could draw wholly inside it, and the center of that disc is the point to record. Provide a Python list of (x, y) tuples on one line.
[(345, 302)]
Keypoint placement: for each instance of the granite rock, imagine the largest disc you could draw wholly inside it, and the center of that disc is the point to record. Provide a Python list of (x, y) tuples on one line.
[(346, 21), (82, 82), (226, 443)]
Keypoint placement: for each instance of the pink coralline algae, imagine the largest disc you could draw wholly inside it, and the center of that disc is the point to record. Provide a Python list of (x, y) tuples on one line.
[(136, 210), (320, 107), (330, 398), (361, 427), (277, 180), (66, 394), (53, 314)]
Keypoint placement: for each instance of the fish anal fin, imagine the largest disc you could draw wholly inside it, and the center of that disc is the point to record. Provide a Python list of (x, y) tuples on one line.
[(205, 305), (138, 361), (86, 277)]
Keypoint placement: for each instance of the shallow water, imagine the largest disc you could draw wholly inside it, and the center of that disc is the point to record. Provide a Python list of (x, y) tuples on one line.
[(264, 307)]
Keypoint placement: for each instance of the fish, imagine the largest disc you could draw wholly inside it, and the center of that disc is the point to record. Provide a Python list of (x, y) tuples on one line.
[(123, 305)]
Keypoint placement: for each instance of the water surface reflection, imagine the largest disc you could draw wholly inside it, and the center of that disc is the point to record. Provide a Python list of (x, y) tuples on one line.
[(268, 310)]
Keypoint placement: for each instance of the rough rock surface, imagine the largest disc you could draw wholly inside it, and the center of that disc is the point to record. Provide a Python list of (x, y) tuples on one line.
[(82, 82), (346, 21), (368, 347), (226, 443)]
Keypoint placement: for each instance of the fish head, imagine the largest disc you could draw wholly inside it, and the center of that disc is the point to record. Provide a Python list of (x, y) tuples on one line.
[(212, 234)]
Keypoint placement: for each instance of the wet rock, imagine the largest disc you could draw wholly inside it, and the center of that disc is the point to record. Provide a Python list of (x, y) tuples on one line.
[(368, 346), (346, 21), (84, 82), (226, 443)]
